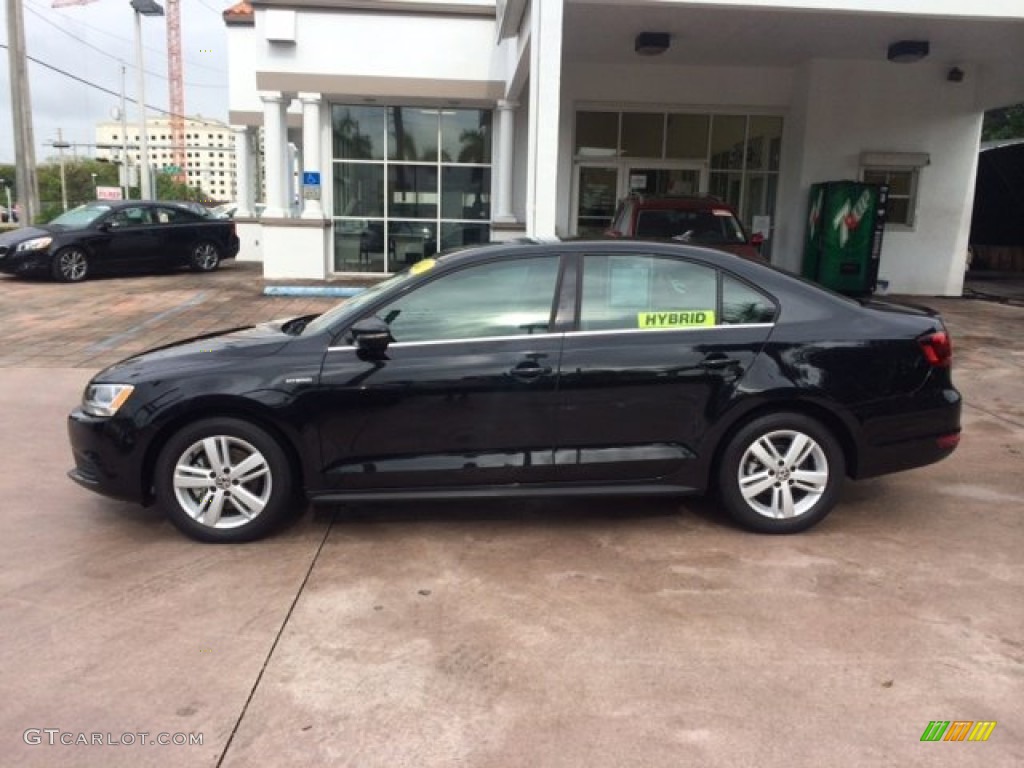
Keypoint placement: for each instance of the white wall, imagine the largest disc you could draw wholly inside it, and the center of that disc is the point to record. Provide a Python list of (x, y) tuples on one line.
[(386, 45), (243, 58), (853, 107), (656, 84), (974, 9)]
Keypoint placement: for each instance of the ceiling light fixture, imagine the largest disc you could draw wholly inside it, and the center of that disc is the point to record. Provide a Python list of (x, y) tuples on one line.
[(908, 51), (652, 43)]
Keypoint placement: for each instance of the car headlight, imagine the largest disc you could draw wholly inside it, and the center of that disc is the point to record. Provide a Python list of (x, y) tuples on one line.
[(35, 244), (105, 399)]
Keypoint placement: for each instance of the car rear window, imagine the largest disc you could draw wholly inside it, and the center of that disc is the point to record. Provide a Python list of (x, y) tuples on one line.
[(714, 226)]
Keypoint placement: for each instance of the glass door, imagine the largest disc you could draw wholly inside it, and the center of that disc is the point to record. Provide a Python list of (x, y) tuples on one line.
[(675, 181), (596, 197)]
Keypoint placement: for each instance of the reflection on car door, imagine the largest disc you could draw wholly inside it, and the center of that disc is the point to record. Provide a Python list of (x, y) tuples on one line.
[(177, 230), (134, 244), (655, 353), (465, 394)]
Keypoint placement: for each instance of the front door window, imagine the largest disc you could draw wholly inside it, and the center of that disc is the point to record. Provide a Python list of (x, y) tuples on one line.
[(506, 298)]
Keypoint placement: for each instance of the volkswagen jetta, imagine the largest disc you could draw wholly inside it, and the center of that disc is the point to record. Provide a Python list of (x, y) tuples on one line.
[(531, 369)]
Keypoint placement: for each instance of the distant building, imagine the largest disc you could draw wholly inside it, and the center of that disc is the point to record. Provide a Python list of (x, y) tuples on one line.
[(209, 151)]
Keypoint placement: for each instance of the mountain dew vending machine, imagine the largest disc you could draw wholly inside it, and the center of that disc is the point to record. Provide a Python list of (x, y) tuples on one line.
[(844, 235)]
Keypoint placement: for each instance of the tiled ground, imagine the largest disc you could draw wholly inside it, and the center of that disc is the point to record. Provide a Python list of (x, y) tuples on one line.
[(101, 321)]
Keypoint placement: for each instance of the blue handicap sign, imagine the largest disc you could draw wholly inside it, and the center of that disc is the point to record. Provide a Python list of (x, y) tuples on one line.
[(311, 178)]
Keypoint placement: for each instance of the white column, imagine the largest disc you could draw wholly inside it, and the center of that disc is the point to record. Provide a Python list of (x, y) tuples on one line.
[(275, 153), (243, 175), (545, 100), (506, 136), (311, 154)]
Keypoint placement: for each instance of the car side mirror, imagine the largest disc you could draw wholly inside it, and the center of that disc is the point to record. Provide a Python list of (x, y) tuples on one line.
[(756, 239), (371, 335)]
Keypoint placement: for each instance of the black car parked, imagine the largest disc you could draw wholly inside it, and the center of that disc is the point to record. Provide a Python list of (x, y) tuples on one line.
[(575, 368), (114, 237)]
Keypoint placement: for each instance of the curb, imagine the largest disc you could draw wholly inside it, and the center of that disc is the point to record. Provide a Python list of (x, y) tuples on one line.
[(343, 292)]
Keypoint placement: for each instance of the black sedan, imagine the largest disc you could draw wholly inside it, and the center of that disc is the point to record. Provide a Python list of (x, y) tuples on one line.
[(531, 369), (116, 237)]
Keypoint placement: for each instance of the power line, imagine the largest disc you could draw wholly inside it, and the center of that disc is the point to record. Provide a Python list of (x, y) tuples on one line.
[(159, 51), (98, 87), (210, 7), (110, 55)]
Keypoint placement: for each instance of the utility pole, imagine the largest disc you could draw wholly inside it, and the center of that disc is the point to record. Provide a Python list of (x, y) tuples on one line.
[(21, 110), (60, 145), (125, 177)]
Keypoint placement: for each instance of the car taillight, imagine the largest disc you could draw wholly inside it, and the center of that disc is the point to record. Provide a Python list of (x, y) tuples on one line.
[(937, 349)]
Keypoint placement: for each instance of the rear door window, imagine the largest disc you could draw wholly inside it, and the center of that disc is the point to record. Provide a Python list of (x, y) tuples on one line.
[(743, 304), (646, 292)]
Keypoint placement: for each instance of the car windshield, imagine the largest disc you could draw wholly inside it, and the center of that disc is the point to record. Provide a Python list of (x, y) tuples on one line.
[(332, 316), (710, 226), (82, 216)]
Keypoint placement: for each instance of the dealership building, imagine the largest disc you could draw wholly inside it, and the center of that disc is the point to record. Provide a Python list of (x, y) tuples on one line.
[(396, 128)]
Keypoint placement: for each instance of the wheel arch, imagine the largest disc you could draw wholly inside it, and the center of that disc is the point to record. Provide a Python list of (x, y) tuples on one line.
[(82, 244), (230, 408), (827, 417)]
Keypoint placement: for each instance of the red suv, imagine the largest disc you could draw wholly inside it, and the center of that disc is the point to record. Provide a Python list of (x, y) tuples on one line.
[(704, 221)]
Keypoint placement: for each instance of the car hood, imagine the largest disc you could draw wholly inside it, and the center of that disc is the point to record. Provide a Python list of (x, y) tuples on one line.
[(22, 234), (207, 351)]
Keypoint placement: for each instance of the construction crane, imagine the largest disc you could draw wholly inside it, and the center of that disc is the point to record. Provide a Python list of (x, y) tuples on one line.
[(175, 81)]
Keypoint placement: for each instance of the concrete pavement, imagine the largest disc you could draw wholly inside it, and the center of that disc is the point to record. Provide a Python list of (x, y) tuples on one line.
[(547, 634)]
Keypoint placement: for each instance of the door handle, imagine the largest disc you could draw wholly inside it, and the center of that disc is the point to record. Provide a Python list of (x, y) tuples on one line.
[(718, 360), (529, 370)]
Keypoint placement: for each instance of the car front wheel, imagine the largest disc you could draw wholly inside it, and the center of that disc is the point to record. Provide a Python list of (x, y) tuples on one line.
[(70, 265), (781, 473), (223, 480), (205, 257)]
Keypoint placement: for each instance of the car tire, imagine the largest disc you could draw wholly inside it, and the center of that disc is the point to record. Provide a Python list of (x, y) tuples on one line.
[(223, 480), (204, 257), (70, 265), (781, 473)]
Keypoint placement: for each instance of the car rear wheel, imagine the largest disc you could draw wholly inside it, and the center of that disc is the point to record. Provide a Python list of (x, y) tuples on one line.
[(223, 480), (781, 473), (70, 265), (205, 257)]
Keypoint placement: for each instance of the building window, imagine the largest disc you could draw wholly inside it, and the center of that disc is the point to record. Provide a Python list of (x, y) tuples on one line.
[(734, 157), (902, 182), (408, 182), (900, 171)]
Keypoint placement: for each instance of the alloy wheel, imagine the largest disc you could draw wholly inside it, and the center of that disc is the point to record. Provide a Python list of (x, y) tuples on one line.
[(222, 482), (72, 265), (205, 257), (783, 474)]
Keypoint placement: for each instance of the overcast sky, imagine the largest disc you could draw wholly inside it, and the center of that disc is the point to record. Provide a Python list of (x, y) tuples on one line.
[(89, 41)]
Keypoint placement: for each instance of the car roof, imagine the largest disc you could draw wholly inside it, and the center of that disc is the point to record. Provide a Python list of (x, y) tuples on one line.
[(684, 203), (118, 204), (620, 245)]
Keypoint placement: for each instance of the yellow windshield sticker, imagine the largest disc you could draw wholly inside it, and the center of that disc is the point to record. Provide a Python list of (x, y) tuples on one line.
[(422, 266), (676, 318)]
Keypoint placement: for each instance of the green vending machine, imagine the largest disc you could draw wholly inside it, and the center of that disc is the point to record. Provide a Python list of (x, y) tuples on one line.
[(845, 223)]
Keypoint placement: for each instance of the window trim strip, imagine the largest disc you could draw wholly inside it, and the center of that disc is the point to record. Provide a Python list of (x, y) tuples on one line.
[(564, 334)]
